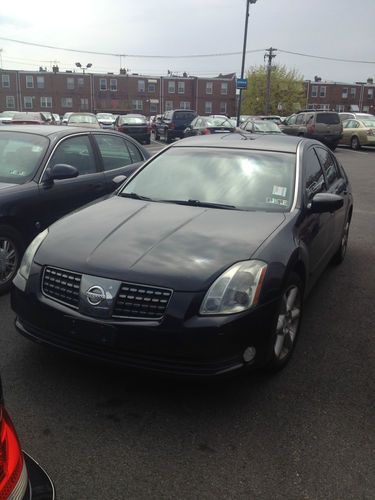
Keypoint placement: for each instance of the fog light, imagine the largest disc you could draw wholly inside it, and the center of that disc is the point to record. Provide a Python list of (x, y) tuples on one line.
[(249, 354)]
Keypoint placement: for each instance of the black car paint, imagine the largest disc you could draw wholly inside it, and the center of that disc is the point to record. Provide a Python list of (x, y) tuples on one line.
[(151, 243)]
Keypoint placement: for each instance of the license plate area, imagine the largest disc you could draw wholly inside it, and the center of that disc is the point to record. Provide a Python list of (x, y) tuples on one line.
[(96, 333)]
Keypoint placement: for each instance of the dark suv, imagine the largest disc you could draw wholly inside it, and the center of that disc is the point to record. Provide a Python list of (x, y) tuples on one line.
[(173, 123), (324, 126)]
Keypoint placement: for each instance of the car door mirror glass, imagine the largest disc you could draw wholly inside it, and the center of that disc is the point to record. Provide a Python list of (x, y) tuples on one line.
[(62, 171), (325, 202)]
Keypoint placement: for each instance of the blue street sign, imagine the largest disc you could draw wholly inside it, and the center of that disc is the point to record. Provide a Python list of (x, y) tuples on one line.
[(241, 83)]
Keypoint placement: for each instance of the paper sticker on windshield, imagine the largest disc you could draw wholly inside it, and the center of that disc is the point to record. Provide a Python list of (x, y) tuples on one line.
[(279, 191), (277, 201)]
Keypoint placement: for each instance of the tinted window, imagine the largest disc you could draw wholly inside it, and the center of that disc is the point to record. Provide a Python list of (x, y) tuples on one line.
[(114, 152), (75, 151), (136, 155), (183, 116), (133, 120), (329, 118), (20, 156), (329, 165), (261, 180), (314, 178)]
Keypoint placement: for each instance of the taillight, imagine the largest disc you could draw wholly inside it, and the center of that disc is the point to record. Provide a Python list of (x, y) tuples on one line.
[(310, 129), (13, 475), (370, 132), (206, 132), (171, 125)]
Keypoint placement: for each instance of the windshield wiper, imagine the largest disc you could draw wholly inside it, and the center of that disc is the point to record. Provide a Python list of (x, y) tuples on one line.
[(197, 203), (135, 196)]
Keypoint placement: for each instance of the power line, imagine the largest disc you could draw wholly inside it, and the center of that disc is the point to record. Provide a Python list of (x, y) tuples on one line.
[(326, 58)]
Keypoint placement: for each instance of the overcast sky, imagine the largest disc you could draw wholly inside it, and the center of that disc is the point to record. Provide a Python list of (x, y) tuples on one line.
[(193, 27)]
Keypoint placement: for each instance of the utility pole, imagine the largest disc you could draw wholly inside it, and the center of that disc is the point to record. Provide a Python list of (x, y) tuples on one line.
[(268, 55)]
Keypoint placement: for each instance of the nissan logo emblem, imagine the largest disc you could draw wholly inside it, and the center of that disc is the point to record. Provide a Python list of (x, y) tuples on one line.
[(95, 295)]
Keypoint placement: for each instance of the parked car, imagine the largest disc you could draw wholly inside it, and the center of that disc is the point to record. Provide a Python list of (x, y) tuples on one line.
[(56, 118), (30, 118), (198, 265), (83, 120), (134, 125), (173, 124), (260, 127), (21, 477), (106, 120), (357, 116), (273, 118), (65, 118), (324, 126), (6, 116), (153, 120), (204, 125), (360, 132), (48, 171)]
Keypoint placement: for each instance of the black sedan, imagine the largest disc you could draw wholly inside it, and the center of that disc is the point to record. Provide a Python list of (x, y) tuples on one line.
[(206, 125), (198, 265), (134, 125), (21, 477), (47, 172)]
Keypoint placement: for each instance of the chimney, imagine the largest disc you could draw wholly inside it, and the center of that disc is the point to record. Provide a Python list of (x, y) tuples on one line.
[(370, 80)]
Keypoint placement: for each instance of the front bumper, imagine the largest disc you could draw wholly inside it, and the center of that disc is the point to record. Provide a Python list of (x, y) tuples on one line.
[(182, 343)]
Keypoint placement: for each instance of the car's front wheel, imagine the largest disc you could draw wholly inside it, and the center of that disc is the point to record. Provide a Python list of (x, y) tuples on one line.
[(354, 143), (287, 325), (10, 255), (339, 256)]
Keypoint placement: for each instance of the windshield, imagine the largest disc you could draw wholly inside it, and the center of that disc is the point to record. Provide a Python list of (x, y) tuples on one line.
[(20, 156), (133, 120), (266, 126), (219, 122), (244, 179), (104, 116), (82, 119), (369, 123)]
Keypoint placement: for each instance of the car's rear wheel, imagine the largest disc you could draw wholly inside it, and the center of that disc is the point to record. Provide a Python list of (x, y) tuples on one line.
[(157, 136), (354, 143), (332, 146), (167, 137), (339, 256), (287, 325), (10, 255)]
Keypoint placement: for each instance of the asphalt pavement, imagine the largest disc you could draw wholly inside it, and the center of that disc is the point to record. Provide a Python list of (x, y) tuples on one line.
[(306, 433)]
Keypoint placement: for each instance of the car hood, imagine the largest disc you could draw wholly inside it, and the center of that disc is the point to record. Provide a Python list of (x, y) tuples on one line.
[(175, 246), (4, 185)]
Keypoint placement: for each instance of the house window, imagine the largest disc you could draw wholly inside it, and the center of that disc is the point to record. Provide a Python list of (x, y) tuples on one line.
[(46, 102), (141, 86), (184, 105), (223, 108), (151, 88), (168, 105), (344, 94), (5, 81), (171, 87), (102, 84), (137, 104), (314, 91), (40, 82), (370, 93), (66, 102), (153, 107), (80, 82), (28, 102), (113, 85), (10, 102), (208, 107), (84, 106), (181, 87), (29, 82), (322, 91), (224, 88), (70, 83), (353, 91), (209, 87)]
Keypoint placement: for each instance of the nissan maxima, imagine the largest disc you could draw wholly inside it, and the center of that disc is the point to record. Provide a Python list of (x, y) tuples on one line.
[(200, 262)]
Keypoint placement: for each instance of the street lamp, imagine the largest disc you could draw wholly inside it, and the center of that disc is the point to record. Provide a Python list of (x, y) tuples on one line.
[(248, 2), (79, 65)]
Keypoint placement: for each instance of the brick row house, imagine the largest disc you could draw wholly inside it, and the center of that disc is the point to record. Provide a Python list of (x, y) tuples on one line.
[(61, 92), (359, 96)]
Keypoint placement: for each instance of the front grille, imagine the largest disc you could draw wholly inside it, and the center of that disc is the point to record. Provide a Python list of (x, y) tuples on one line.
[(62, 286), (137, 301)]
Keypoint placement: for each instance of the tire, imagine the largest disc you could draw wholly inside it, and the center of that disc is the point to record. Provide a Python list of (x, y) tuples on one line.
[(287, 325), (157, 136), (354, 143), (332, 146), (11, 248), (167, 138), (339, 256), (148, 140)]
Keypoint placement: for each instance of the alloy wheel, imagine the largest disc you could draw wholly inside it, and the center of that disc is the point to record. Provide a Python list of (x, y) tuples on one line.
[(288, 322), (8, 259)]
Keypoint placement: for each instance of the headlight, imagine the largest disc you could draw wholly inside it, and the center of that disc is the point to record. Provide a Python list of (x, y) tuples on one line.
[(236, 290), (28, 256)]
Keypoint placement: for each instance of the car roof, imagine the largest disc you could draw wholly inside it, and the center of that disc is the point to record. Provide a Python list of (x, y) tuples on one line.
[(54, 130), (279, 142)]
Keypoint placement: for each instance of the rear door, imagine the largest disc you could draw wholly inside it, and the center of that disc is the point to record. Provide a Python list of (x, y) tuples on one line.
[(328, 126)]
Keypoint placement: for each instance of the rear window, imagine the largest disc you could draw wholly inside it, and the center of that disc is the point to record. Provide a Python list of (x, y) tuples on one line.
[(133, 120), (184, 115), (329, 118)]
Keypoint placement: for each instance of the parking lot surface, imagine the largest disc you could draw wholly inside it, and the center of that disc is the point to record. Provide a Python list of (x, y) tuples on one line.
[(307, 432)]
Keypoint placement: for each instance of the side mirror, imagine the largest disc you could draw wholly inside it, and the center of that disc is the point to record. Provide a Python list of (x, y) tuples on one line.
[(325, 202), (119, 179), (61, 171)]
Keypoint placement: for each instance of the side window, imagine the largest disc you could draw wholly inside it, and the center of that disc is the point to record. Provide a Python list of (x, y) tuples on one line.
[(114, 152), (136, 155), (329, 165), (314, 178), (292, 120), (300, 119), (75, 151)]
